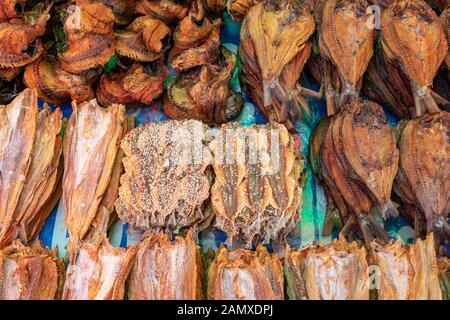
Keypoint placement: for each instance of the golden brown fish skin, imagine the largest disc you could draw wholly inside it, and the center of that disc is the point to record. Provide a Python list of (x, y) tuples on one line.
[(165, 10), (16, 36), (338, 271), (18, 124), (164, 186), (256, 198), (266, 52), (43, 171), (166, 270), (8, 9), (123, 10), (99, 271), (423, 178), (90, 38), (55, 85), (30, 273), (346, 40), (138, 85), (444, 18), (245, 275), (143, 40), (408, 272), (204, 93), (418, 54), (91, 145), (239, 8)]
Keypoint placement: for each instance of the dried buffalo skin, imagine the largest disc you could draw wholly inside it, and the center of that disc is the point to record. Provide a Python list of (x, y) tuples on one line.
[(335, 272), (30, 273), (413, 38), (99, 272), (408, 272), (245, 275), (90, 149), (257, 193), (423, 180), (166, 270), (18, 124), (165, 185)]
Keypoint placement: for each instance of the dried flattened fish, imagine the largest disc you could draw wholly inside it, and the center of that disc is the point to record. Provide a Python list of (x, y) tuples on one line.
[(338, 271), (257, 193), (245, 275), (166, 270), (165, 10), (98, 272), (239, 8), (30, 273), (124, 10)]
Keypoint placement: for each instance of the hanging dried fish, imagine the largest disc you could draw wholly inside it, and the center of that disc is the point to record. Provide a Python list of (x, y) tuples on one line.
[(18, 125), (423, 179), (30, 273), (239, 8), (408, 272), (166, 270), (89, 37), (91, 147), (204, 93), (55, 85), (166, 182), (412, 37), (98, 272), (273, 60), (138, 85), (245, 275), (335, 272), (257, 193), (166, 10)]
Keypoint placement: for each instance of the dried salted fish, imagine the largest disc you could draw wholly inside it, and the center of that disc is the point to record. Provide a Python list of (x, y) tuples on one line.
[(239, 8), (18, 124), (438, 4), (166, 270), (445, 21), (89, 37), (143, 40), (245, 275), (98, 272), (165, 10), (91, 145), (346, 39), (166, 176), (257, 193), (140, 84), (335, 272), (124, 10), (204, 93), (408, 272), (266, 53), (423, 179), (19, 43), (55, 85), (214, 8), (30, 273), (196, 40), (10, 9), (412, 37)]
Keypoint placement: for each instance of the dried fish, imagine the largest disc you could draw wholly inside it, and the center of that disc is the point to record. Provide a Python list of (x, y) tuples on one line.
[(10, 9), (165, 10), (245, 275), (124, 10), (408, 272), (338, 271), (257, 193), (99, 272), (166, 270), (204, 94), (239, 8), (30, 273)]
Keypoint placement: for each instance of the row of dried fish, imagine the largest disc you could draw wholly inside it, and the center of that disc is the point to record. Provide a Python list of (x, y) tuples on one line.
[(160, 269)]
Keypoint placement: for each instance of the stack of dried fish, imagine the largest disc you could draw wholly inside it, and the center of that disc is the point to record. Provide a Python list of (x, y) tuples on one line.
[(335, 272), (423, 179), (166, 270), (407, 272), (245, 275), (166, 179), (30, 273), (98, 272), (273, 60), (92, 168), (257, 193), (30, 150), (165, 10)]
